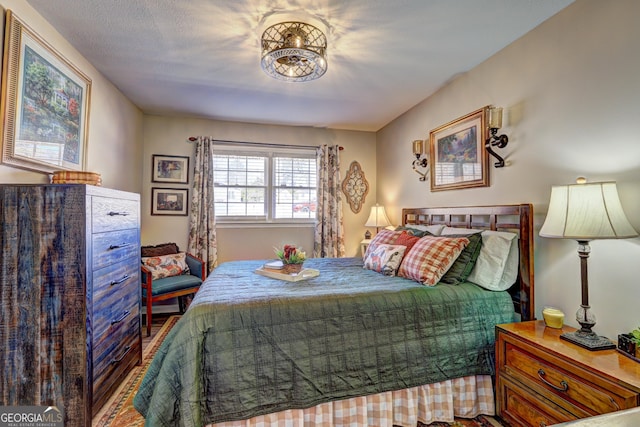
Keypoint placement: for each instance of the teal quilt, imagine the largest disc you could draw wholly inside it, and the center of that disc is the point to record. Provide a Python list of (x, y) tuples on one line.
[(250, 345)]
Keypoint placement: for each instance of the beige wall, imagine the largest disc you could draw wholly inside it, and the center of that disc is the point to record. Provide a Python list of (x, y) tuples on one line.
[(571, 96), (115, 124), (571, 93), (168, 136)]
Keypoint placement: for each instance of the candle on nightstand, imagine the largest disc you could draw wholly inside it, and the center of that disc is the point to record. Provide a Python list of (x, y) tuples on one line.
[(553, 317)]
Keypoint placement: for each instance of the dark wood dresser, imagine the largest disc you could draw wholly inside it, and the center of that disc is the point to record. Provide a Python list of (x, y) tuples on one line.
[(70, 295)]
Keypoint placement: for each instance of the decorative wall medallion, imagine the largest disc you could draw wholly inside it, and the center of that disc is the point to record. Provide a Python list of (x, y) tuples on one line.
[(355, 187)]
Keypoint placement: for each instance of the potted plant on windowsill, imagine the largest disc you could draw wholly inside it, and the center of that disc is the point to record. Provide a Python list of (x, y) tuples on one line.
[(292, 259)]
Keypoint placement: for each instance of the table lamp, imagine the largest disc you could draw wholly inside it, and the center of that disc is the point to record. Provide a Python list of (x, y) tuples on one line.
[(585, 212), (377, 218)]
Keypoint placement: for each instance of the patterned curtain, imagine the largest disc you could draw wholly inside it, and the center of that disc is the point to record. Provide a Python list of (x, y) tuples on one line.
[(202, 220), (329, 235)]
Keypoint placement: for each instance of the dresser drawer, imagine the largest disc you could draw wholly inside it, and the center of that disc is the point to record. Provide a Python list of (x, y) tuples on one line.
[(114, 309), (114, 357), (109, 281), (113, 247), (109, 214)]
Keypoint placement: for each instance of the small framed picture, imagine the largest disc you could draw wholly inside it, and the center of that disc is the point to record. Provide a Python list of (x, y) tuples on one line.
[(169, 201), (173, 169)]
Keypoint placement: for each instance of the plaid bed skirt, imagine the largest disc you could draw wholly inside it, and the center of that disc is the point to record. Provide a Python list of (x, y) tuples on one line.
[(465, 397)]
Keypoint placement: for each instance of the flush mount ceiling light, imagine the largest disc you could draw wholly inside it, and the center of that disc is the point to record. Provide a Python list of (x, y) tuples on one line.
[(294, 51)]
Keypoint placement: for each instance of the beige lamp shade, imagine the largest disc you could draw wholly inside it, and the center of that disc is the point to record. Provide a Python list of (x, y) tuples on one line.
[(377, 217), (586, 212)]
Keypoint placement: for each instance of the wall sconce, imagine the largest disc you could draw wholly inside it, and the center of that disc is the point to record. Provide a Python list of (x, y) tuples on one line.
[(495, 122), (421, 160)]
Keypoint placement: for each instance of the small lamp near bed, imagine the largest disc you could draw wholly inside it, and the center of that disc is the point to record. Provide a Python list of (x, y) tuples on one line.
[(377, 218), (584, 212)]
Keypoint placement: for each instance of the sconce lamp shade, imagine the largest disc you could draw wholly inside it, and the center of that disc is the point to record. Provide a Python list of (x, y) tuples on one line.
[(586, 212), (377, 218), (495, 117), (418, 146)]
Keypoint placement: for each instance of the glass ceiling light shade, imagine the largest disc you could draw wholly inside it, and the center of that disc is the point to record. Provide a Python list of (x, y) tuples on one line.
[(294, 51), (585, 212)]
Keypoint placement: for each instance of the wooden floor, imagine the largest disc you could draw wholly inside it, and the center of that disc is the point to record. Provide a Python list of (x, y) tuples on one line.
[(156, 324)]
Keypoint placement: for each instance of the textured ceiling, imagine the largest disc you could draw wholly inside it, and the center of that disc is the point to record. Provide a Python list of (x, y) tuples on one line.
[(202, 58)]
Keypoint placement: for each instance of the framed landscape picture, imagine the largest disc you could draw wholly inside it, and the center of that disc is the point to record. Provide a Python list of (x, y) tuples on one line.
[(174, 169), (458, 157), (45, 104), (169, 201)]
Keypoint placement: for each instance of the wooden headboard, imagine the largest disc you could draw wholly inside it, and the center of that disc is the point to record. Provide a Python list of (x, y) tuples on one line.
[(514, 218)]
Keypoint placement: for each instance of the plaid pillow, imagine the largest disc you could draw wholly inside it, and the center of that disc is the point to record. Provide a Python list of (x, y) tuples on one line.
[(431, 257), (384, 237)]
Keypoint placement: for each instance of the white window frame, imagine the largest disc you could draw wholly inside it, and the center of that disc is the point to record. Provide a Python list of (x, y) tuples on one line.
[(269, 153)]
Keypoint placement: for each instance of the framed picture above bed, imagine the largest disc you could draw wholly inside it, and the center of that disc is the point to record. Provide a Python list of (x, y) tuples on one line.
[(458, 157)]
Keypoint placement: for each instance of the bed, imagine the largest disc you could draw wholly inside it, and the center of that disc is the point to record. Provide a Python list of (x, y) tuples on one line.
[(349, 347)]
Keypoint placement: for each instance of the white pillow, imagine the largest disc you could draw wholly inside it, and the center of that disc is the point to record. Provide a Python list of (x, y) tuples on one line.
[(385, 259), (448, 231), (497, 266)]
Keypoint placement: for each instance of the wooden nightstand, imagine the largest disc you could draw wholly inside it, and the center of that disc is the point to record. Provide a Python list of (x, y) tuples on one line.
[(364, 244), (542, 380)]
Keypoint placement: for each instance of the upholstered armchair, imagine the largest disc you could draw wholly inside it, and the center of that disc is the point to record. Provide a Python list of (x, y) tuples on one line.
[(166, 276)]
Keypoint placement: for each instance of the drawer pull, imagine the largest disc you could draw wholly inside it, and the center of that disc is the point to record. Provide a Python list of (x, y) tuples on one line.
[(614, 403), (121, 245), (127, 349), (121, 280), (563, 384), (121, 318), (112, 213)]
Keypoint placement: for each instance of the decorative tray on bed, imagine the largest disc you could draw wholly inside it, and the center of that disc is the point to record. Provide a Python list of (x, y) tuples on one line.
[(304, 274)]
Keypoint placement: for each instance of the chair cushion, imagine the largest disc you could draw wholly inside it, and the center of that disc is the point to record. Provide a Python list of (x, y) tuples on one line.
[(173, 284)]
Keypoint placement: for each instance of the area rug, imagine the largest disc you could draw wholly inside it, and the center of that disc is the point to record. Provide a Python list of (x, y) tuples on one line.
[(119, 410)]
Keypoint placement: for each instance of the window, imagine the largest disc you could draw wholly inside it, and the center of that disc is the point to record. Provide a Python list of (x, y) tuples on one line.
[(264, 185)]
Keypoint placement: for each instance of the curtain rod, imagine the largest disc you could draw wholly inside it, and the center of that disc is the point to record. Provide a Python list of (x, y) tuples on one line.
[(258, 144)]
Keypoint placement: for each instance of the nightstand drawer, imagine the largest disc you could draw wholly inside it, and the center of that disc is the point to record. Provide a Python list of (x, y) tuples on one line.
[(542, 379), (521, 405), (545, 370)]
